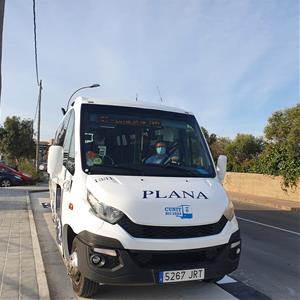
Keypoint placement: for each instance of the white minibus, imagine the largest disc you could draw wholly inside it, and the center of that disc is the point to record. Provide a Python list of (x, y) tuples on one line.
[(136, 198)]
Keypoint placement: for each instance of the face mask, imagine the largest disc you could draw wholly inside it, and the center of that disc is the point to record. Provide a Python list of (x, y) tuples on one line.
[(161, 150)]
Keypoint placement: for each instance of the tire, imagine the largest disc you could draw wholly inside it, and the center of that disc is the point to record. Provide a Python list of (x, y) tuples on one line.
[(5, 183), (82, 286)]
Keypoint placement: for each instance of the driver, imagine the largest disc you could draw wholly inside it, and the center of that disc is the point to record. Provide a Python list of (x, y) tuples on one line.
[(161, 154)]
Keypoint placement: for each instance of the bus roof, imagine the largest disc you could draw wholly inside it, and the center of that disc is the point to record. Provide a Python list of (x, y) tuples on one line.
[(126, 103)]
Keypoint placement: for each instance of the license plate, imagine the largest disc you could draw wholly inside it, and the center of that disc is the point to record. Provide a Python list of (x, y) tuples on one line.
[(182, 275)]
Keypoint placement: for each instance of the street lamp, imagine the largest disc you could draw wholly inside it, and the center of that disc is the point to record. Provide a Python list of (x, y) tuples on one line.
[(84, 87)]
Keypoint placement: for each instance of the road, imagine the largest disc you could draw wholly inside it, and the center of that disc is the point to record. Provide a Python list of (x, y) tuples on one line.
[(270, 260), (269, 267)]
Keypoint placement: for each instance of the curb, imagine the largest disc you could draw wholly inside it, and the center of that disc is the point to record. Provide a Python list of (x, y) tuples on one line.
[(42, 283), (39, 191), (270, 205)]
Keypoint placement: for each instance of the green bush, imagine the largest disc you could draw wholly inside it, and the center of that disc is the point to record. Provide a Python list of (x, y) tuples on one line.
[(29, 168), (277, 160), (242, 152), (281, 155)]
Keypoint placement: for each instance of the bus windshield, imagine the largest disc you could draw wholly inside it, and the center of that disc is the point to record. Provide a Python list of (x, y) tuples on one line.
[(119, 140)]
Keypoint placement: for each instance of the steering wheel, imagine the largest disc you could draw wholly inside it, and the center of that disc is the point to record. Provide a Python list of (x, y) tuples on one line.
[(172, 160), (112, 162)]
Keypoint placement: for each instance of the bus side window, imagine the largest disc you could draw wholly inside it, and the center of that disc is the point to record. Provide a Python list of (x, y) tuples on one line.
[(58, 132), (61, 131), (71, 158), (69, 132)]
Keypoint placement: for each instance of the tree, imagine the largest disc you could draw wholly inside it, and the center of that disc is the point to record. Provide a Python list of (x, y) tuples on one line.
[(281, 155), (242, 152), (16, 139), (216, 144), (219, 146), (284, 127), (210, 138)]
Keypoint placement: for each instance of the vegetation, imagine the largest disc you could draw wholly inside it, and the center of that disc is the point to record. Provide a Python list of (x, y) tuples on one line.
[(28, 167), (281, 155), (17, 145), (243, 152), (278, 153), (16, 139)]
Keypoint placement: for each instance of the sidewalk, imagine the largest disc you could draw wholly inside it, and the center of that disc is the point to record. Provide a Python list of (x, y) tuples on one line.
[(21, 269), (264, 201)]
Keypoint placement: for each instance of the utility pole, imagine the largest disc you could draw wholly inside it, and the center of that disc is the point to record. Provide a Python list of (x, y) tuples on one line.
[(37, 149), (2, 4)]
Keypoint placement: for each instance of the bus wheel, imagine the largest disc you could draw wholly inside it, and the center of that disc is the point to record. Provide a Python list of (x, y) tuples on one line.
[(82, 286)]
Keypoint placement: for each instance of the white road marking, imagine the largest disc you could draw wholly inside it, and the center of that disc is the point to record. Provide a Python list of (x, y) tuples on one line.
[(270, 226), (226, 279)]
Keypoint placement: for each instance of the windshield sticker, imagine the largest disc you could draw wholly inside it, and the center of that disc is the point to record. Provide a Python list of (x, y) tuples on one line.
[(93, 159), (182, 211), (102, 150), (97, 161), (88, 138)]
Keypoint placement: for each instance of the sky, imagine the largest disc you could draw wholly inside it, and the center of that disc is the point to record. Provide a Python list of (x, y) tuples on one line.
[(232, 63)]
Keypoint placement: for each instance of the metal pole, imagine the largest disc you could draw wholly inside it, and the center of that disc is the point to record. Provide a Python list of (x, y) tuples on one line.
[(2, 4), (37, 149), (84, 87)]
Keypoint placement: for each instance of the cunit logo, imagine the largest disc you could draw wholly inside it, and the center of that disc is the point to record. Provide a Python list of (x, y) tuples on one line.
[(181, 211)]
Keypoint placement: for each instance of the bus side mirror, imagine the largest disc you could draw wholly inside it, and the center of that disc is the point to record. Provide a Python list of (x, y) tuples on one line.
[(55, 160), (221, 167)]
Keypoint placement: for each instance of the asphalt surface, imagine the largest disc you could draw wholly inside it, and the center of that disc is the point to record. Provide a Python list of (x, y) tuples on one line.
[(60, 286), (270, 260), (269, 267)]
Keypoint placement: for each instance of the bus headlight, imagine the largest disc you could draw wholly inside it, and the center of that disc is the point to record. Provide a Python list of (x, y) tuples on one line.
[(103, 211), (229, 211)]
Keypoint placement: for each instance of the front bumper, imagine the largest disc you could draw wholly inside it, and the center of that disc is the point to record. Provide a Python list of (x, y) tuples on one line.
[(136, 267)]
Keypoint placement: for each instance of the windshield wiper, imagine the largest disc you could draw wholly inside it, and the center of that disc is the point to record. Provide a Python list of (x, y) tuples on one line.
[(142, 169), (182, 168), (176, 167), (199, 172), (127, 168), (92, 169)]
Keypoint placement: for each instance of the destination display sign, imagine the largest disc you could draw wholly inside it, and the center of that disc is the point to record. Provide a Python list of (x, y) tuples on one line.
[(128, 122)]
